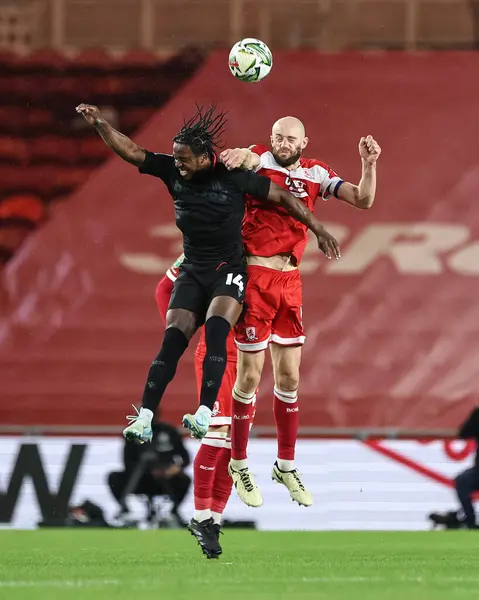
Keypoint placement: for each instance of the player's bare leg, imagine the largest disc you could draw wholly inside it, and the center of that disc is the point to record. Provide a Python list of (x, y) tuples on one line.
[(250, 367), (206, 526), (286, 361), (180, 327), (222, 315)]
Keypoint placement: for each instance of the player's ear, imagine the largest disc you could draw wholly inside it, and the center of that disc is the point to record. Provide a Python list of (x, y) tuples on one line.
[(304, 143)]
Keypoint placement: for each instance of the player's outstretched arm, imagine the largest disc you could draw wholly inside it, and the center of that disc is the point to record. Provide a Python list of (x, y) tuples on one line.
[(326, 243), (240, 158), (118, 142), (363, 194)]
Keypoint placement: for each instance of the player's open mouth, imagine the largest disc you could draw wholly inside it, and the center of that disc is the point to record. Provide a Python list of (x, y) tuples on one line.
[(183, 173)]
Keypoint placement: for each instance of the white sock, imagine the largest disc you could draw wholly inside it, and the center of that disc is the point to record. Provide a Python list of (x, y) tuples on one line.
[(216, 517), (203, 409), (145, 416), (202, 515), (239, 464), (285, 465)]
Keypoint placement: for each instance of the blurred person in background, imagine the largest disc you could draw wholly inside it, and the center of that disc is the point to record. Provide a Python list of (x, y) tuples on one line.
[(466, 483), (153, 469)]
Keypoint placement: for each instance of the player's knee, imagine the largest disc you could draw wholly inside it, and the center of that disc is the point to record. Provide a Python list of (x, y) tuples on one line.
[(248, 380), (287, 380), (183, 321)]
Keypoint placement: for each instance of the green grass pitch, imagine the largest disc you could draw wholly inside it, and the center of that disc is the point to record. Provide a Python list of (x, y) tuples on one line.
[(163, 565)]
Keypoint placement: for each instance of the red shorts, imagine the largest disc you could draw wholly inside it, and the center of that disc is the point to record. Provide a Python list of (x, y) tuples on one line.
[(273, 310), (223, 405)]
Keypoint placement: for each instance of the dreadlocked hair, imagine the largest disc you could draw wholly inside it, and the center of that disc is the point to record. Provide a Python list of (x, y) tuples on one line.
[(202, 133)]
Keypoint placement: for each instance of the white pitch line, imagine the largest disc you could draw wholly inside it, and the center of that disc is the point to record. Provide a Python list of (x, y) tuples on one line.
[(60, 584), (404, 579), (342, 580), (99, 583)]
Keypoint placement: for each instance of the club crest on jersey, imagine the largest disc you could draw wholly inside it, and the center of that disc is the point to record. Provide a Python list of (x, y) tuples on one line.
[(296, 187), (251, 334)]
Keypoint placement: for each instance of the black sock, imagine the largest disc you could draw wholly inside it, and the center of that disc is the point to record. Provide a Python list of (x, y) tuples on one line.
[(216, 332), (163, 368)]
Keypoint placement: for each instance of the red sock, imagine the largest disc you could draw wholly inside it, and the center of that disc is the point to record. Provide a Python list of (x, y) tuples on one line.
[(243, 411), (204, 475), (223, 483), (286, 416)]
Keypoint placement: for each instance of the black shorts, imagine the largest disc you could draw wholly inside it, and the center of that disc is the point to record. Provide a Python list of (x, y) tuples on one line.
[(195, 288)]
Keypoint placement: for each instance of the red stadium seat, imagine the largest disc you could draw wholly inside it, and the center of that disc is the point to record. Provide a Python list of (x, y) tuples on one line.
[(53, 149), (108, 85), (70, 178), (22, 206), (140, 58), (13, 150), (94, 59), (43, 58), (21, 89), (38, 119), (8, 59), (5, 79), (37, 179), (93, 149), (133, 118), (12, 120)]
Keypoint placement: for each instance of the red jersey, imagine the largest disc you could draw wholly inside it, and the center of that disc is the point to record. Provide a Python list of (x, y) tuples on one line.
[(163, 293), (269, 229)]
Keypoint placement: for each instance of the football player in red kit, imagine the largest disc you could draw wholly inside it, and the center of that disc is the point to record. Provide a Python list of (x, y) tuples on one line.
[(274, 244), (212, 484)]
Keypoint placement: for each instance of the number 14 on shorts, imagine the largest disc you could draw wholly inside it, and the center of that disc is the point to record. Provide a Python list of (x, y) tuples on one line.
[(238, 280)]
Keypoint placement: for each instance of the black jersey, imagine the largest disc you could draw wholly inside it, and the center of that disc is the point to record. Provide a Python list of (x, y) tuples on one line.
[(209, 208)]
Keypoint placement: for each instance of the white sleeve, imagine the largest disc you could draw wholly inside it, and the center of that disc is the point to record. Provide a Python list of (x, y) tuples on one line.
[(264, 156), (328, 180)]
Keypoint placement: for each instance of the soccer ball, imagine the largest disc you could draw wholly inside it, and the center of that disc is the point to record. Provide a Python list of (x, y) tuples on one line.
[(250, 60)]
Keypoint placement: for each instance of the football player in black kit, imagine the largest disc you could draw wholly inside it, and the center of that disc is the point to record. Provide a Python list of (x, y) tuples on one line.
[(209, 206)]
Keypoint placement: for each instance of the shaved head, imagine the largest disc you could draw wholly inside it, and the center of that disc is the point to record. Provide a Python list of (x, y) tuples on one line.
[(288, 140), (288, 126)]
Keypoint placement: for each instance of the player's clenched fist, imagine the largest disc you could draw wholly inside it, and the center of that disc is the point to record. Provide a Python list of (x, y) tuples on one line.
[(369, 149), (233, 158), (90, 112)]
